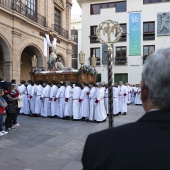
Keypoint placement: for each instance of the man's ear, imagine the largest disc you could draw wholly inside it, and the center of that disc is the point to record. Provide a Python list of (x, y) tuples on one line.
[(144, 92)]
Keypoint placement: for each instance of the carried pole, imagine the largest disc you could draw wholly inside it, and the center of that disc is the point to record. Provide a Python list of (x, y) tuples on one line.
[(109, 28)]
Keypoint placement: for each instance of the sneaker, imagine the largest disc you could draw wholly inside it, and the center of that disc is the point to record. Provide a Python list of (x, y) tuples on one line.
[(17, 125), (4, 132), (13, 128), (1, 134)]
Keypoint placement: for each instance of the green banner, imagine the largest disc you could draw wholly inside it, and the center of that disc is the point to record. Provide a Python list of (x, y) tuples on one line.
[(135, 34)]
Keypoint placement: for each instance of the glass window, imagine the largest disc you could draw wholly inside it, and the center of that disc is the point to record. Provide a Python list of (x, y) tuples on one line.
[(147, 50), (96, 52), (31, 6), (104, 5), (95, 9), (121, 6), (57, 17), (111, 5), (93, 30), (149, 31), (120, 52)]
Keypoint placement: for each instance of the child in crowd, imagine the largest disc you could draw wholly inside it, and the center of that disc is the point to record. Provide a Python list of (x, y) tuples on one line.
[(3, 105)]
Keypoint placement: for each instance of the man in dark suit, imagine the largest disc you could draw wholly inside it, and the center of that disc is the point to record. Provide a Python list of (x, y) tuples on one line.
[(144, 144)]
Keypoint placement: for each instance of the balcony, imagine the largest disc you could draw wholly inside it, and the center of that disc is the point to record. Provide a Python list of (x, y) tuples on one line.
[(120, 60), (18, 6), (61, 31), (93, 39)]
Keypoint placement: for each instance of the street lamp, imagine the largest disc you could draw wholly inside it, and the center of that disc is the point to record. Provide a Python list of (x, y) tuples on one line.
[(105, 33)]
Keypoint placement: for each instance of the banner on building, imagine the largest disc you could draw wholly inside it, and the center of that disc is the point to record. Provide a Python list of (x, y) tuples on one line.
[(135, 34)]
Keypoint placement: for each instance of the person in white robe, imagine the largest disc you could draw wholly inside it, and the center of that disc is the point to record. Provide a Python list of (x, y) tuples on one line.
[(76, 91), (128, 97), (68, 112), (84, 102), (54, 104), (138, 96), (38, 102), (60, 98), (92, 97), (122, 93), (22, 90), (45, 109), (106, 99), (29, 90), (133, 94), (100, 111), (32, 99), (115, 100)]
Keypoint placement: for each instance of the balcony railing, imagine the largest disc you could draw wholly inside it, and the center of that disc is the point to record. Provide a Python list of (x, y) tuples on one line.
[(61, 31), (23, 9), (120, 60)]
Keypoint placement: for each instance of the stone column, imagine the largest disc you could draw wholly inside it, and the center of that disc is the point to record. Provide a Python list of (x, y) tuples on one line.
[(16, 55), (7, 70)]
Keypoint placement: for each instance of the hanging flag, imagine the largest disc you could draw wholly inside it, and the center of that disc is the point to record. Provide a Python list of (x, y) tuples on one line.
[(135, 34)]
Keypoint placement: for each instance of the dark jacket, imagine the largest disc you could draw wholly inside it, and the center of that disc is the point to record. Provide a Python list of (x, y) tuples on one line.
[(143, 145), (12, 104)]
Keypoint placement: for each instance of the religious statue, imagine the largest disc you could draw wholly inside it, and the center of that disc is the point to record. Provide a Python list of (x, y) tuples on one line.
[(55, 63), (34, 61)]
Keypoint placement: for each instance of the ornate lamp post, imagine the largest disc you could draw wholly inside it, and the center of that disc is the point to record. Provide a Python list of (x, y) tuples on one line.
[(106, 35), (82, 59)]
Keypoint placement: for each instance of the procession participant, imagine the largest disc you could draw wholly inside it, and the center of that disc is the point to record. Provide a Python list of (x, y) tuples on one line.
[(129, 93), (133, 94), (32, 98), (68, 112), (122, 93), (38, 103), (106, 99), (28, 92), (45, 96), (23, 91), (138, 96), (84, 102), (115, 101), (53, 93), (76, 91), (92, 97), (60, 98), (100, 111)]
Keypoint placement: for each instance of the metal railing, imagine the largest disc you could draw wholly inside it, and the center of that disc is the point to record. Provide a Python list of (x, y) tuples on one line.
[(23, 9), (120, 60), (61, 31)]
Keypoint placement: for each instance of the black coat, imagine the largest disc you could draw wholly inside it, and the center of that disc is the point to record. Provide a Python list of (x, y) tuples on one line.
[(12, 106), (143, 145)]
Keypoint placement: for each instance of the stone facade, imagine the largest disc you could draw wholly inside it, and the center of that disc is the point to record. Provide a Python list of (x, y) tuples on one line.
[(20, 36)]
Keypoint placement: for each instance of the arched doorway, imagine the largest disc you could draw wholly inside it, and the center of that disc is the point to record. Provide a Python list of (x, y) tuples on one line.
[(5, 63), (26, 61)]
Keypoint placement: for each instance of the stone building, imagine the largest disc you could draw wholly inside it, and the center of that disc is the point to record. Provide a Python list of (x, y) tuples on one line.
[(22, 24)]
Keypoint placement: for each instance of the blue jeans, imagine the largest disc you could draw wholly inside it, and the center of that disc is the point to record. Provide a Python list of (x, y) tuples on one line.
[(1, 122)]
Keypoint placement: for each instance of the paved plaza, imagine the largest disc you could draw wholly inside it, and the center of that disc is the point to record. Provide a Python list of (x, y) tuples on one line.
[(51, 143)]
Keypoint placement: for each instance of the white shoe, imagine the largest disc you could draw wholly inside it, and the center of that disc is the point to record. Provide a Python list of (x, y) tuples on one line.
[(1, 134), (4, 132), (17, 125)]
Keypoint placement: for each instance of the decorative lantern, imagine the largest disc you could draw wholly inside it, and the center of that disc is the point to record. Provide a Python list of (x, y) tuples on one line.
[(93, 61), (82, 58)]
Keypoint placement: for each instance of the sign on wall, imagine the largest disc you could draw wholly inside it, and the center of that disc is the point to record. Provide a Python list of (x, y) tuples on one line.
[(104, 54), (163, 23), (135, 34)]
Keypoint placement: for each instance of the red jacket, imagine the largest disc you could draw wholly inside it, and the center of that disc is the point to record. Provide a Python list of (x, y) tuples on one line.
[(2, 110)]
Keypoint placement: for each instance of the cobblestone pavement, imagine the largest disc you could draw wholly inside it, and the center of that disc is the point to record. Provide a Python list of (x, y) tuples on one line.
[(50, 143)]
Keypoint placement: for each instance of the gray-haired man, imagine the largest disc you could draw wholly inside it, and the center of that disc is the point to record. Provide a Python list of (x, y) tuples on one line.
[(144, 144)]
